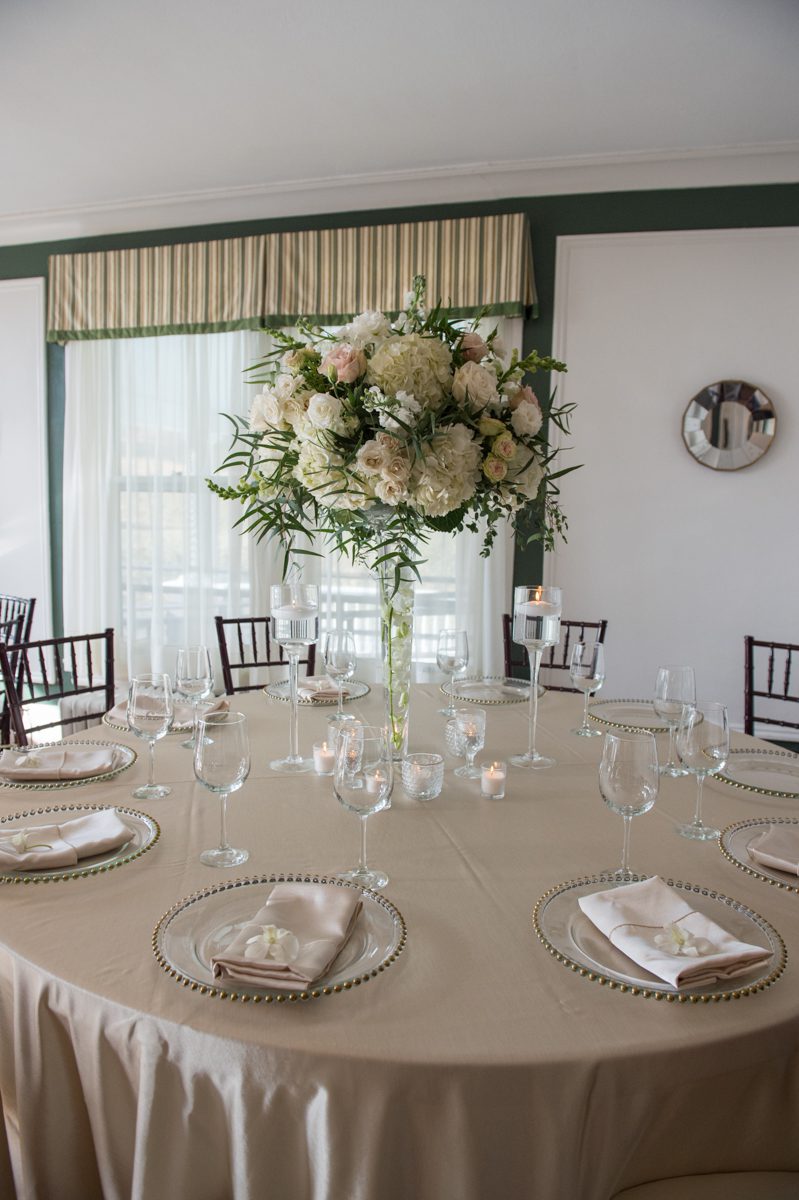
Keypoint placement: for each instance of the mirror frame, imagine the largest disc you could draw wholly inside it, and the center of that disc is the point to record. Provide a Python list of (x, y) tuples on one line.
[(762, 425)]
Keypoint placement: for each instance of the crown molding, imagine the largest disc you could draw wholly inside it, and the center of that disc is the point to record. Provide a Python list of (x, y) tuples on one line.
[(776, 162)]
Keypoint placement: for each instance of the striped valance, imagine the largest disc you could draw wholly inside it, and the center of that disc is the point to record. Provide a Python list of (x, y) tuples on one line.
[(328, 275)]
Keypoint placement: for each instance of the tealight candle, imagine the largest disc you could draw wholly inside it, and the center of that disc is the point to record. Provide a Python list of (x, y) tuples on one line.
[(375, 780), (324, 758), (492, 779)]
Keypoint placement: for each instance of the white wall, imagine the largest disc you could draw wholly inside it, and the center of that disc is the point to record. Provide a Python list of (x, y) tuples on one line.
[(683, 561), (24, 523)]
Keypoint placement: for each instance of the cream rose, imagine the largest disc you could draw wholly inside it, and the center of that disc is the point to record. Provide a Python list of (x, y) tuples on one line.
[(474, 386), (504, 447), (494, 469), (327, 412), (473, 348), (526, 419), (521, 394)]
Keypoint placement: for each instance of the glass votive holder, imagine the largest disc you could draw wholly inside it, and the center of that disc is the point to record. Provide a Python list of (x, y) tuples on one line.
[(335, 725), (423, 775), (324, 758), (453, 739), (492, 779)]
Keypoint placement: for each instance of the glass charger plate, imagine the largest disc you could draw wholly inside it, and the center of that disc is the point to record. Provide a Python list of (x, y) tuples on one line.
[(49, 785), (736, 839), (280, 691), (180, 727), (632, 715), (767, 772), (199, 926), (144, 833), (490, 689), (573, 940)]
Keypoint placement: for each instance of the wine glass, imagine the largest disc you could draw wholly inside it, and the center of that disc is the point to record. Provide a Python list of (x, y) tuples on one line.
[(703, 745), (222, 763), (587, 673), (340, 662), (628, 782), (294, 625), (150, 715), (536, 625), (194, 682), (471, 726), (363, 779), (452, 655), (674, 687)]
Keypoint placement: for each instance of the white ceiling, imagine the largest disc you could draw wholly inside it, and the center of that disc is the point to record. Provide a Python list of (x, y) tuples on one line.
[(162, 112)]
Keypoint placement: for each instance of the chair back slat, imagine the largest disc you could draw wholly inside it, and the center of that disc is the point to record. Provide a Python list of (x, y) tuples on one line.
[(556, 658), (772, 685), (257, 652), (53, 669)]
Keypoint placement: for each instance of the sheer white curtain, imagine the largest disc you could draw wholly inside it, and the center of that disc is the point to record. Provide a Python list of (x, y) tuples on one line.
[(151, 551)]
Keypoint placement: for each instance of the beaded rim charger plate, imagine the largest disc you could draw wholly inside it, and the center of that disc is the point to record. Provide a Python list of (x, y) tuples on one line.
[(144, 833), (177, 726), (573, 940), (200, 926), (766, 772), (489, 689), (736, 839), (355, 690), (48, 785), (635, 716)]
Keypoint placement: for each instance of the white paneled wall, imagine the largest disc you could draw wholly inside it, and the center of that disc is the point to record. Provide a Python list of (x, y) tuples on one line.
[(24, 522), (681, 560)]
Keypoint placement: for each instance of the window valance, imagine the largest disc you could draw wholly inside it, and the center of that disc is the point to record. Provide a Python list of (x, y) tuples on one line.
[(328, 275)]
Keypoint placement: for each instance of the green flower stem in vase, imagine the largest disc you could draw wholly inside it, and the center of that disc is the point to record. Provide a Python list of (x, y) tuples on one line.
[(396, 642)]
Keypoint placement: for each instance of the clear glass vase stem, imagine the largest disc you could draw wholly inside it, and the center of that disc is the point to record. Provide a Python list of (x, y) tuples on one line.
[(535, 668), (585, 711), (223, 842), (294, 734), (151, 776), (625, 850), (362, 867), (697, 821)]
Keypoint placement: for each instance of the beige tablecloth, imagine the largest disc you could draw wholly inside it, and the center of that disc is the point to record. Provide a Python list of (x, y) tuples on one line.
[(475, 1067)]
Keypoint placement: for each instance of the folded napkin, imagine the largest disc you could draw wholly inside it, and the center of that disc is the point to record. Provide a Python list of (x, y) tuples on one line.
[(41, 846), (59, 762), (777, 847), (183, 713), (652, 924), (293, 939), (319, 687)]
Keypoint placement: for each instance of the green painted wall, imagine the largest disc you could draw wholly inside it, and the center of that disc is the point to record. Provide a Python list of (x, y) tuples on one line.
[(551, 217)]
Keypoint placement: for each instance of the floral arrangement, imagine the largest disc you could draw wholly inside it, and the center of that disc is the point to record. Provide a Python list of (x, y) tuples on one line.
[(375, 435)]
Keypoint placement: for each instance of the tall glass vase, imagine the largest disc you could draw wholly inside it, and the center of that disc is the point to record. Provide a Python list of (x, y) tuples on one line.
[(396, 642)]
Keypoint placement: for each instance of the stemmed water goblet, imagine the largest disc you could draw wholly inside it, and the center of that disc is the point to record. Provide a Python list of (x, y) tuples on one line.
[(628, 782), (294, 625), (150, 715), (674, 687), (471, 726), (452, 656), (587, 673), (194, 682), (340, 661), (703, 746), (363, 779), (221, 764), (536, 625)]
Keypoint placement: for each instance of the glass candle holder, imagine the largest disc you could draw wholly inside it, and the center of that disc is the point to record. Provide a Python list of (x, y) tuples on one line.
[(453, 739), (493, 776), (324, 758), (423, 775)]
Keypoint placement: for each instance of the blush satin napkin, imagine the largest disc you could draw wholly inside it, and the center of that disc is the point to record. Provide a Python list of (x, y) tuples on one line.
[(319, 687), (183, 713), (294, 937), (652, 924), (35, 847), (59, 762), (777, 847)]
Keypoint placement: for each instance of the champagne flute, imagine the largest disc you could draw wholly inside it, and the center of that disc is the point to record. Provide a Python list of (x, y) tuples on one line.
[(628, 782), (587, 673), (194, 682), (452, 655), (703, 745), (363, 779), (674, 687), (536, 625), (340, 661), (471, 726), (222, 763), (294, 625), (150, 716)]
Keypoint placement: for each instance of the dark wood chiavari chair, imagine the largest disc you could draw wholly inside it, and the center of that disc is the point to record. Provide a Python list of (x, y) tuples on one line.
[(245, 644), (556, 658)]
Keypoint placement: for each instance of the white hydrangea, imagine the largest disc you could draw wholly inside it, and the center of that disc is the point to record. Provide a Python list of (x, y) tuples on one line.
[(419, 366), (448, 474), (525, 472), (322, 472), (366, 329), (403, 414)]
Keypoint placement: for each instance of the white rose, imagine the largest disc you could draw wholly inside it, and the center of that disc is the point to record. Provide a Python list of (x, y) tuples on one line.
[(391, 491), (365, 328), (327, 412), (526, 419), (474, 386), (371, 457), (265, 413)]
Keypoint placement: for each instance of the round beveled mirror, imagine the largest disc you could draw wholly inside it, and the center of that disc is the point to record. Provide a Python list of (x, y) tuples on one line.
[(729, 425)]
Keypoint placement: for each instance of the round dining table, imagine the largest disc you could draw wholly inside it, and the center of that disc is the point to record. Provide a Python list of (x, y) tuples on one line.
[(474, 1064)]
